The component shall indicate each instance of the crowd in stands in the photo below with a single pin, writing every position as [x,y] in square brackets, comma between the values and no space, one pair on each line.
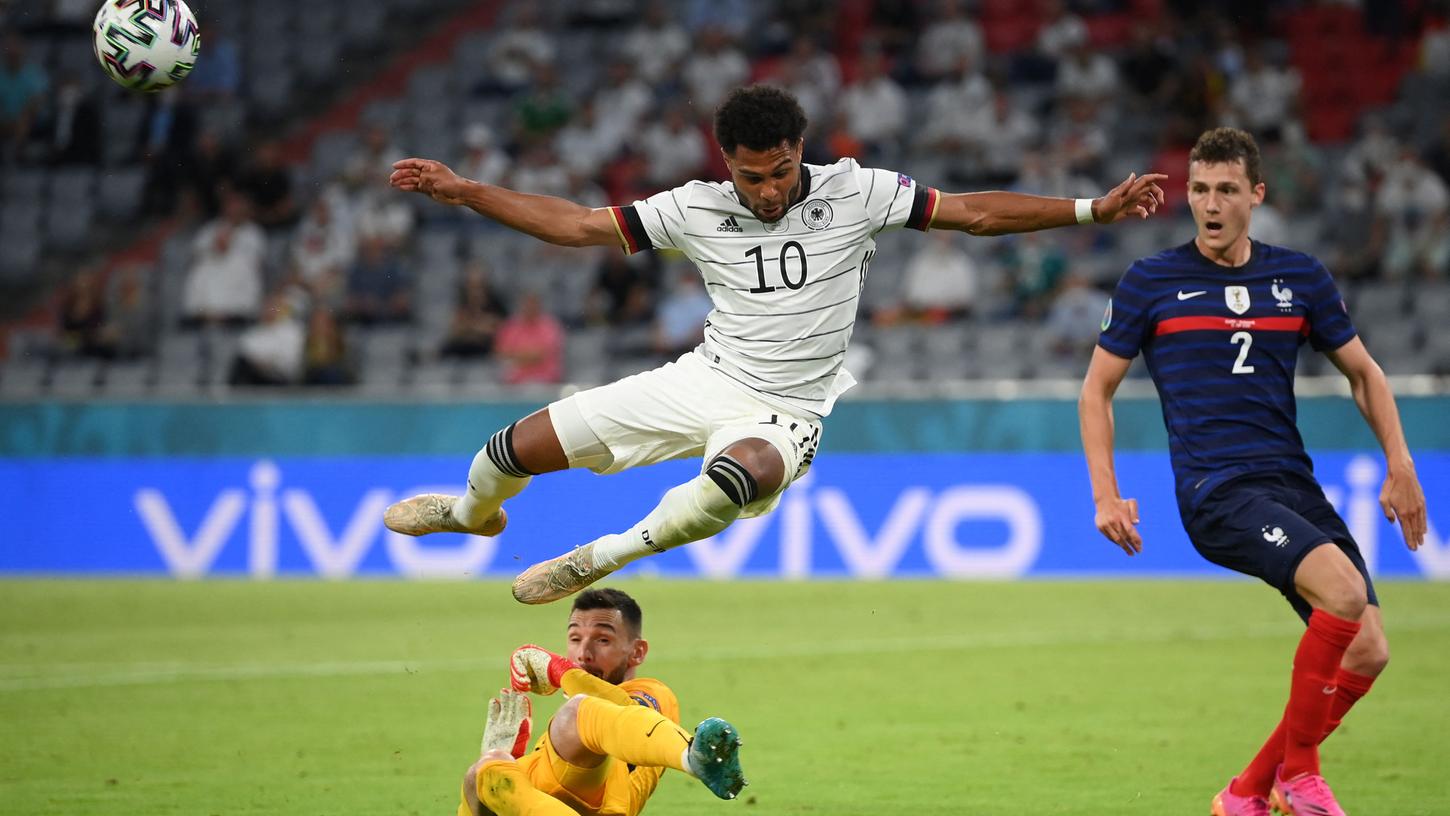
[606,101]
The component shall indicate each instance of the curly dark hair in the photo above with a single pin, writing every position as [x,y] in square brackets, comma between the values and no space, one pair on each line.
[759,117]
[1227,145]
[609,598]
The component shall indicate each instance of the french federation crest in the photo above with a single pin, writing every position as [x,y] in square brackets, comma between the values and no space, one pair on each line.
[1237,298]
[817,214]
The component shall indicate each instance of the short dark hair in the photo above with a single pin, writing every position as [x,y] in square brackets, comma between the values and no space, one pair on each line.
[609,598]
[1226,145]
[759,117]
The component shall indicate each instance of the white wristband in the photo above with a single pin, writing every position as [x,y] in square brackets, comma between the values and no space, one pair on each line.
[1084,209]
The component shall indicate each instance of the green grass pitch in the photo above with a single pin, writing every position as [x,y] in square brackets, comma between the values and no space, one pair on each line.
[909,697]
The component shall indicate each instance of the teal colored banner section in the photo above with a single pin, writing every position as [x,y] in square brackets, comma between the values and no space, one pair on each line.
[350,428]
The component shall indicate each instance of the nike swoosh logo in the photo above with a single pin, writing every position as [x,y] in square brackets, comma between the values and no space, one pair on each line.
[1182,295]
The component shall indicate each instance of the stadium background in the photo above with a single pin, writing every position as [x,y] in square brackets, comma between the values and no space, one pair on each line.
[172,404]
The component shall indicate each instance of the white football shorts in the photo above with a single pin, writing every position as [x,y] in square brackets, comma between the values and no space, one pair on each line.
[679,410]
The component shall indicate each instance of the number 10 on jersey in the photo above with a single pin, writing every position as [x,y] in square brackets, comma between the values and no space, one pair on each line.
[787,251]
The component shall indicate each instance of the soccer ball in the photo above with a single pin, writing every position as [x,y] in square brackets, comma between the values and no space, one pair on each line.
[146,45]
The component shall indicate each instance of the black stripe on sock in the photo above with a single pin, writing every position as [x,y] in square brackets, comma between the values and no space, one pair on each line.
[732,478]
[501,453]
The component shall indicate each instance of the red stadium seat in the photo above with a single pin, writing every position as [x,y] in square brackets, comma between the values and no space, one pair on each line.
[1109,30]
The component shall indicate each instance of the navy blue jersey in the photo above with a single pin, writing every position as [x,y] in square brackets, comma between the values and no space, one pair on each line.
[1221,344]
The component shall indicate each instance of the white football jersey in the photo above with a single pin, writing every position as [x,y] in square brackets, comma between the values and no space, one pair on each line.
[785,294]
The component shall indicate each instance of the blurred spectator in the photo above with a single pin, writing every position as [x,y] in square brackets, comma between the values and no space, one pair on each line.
[713,69]
[940,281]
[83,316]
[519,49]
[1075,318]
[875,106]
[224,283]
[1264,98]
[588,142]
[1438,156]
[1372,156]
[675,149]
[70,127]
[623,100]
[1292,172]
[323,247]
[813,76]
[896,24]
[219,76]
[1061,30]
[325,358]
[165,146]
[211,167]
[1269,225]
[477,317]
[1435,52]
[948,39]
[1037,265]
[268,182]
[131,326]
[23,84]
[956,108]
[1003,137]
[379,288]
[1080,138]
[531,343]
[1148,66]
[540,172]
[271,352]
[623,293]
[813,66]
[657,44]
[1416,206]
[732,18]
[371,163]
[543,108]
[1048,175]
[680,320]
[482,160]
[1087,74]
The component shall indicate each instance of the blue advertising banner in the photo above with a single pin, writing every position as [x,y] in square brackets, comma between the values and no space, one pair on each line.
[996,515]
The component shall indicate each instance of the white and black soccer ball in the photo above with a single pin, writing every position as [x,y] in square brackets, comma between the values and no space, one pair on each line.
[146,45]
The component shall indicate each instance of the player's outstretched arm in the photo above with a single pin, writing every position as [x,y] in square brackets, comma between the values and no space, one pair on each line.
[555,220]
[1116,516]
[999,213]
[1401,498]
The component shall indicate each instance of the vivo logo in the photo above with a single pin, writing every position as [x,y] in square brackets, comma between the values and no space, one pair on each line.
[332,555]
[918,513]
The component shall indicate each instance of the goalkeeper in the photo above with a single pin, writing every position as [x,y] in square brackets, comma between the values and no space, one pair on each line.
[606,748]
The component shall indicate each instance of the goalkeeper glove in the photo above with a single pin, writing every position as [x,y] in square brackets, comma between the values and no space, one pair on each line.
[534,668]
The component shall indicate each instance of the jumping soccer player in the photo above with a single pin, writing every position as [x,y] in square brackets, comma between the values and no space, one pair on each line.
[1219,321]
[784,249]
[607,747]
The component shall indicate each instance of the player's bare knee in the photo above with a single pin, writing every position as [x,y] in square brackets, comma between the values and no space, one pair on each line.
[762,461]
[1344,598]
[536,445]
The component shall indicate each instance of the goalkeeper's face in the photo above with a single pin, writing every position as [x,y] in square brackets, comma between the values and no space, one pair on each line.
[601,643]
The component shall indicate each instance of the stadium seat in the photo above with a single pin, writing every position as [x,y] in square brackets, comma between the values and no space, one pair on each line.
[22,380]
[127,378]
[75,378]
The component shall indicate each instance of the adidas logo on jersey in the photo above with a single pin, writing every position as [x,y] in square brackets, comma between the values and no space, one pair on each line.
[730,225]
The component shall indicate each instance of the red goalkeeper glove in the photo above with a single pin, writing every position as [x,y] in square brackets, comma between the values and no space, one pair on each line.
[534,668]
